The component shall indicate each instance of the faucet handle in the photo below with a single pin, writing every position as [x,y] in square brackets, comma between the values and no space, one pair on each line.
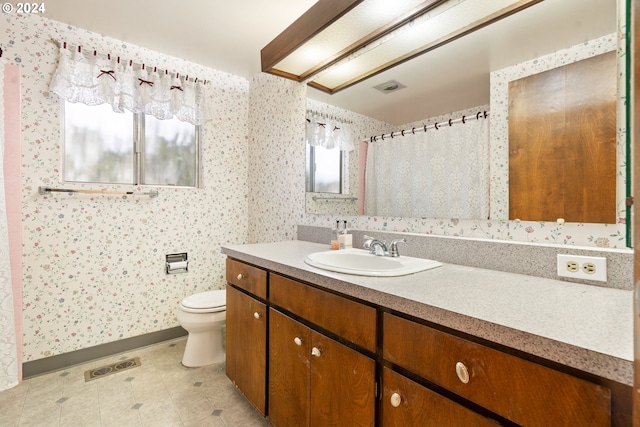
[393,250]
[367,241]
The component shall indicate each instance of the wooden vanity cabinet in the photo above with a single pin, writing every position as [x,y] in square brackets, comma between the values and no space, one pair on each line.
[524,392]
[246,335]
[315,380]
[308,357]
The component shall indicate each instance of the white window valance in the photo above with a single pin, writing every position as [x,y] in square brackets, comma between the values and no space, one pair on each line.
[96,80]
[328,132]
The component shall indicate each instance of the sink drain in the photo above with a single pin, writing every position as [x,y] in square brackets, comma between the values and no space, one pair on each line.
[104,371]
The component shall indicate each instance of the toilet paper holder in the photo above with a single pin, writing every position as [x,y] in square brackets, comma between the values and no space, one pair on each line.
[177,263]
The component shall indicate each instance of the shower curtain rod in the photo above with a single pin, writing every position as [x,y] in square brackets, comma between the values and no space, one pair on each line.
[437,125]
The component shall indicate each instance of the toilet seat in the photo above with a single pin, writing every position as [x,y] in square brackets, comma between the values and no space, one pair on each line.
[205,302]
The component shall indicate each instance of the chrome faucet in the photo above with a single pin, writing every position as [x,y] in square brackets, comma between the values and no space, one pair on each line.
[379,247]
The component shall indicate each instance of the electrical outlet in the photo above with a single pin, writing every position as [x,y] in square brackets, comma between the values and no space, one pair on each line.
[582,267]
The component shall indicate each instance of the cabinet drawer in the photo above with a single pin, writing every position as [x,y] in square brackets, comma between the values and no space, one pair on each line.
[522,391]
[407,403]
[349,319]
[251,279]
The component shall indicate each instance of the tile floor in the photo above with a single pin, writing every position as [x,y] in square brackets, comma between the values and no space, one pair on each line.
[160,392]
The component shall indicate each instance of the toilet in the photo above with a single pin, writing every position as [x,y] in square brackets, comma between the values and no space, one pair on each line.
[203,316]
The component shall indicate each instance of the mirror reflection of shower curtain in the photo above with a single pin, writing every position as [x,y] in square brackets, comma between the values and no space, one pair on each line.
[440,173]
[8,351]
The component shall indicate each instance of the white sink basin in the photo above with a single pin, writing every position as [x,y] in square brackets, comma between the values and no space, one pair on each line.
[362,263]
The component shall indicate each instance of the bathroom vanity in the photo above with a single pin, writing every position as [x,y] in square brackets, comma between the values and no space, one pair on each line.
[452,346]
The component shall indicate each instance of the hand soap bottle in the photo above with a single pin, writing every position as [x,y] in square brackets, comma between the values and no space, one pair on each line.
[345,240]
[335,236]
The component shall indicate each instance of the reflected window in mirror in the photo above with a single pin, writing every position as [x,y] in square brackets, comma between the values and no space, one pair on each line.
[328,142]
[324,169]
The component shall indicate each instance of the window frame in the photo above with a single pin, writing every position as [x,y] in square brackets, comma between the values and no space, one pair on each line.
[311,187]
[138,159]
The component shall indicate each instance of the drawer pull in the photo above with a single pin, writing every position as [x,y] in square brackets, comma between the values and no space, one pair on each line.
[240,276]
[256,315]
[462,372]
[395,400]
[297,340]
[315,351]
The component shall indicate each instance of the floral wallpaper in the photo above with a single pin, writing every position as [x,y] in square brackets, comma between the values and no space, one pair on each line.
[93,265]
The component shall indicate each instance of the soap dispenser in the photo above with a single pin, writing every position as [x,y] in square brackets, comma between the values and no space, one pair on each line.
[336,236]
[345,240]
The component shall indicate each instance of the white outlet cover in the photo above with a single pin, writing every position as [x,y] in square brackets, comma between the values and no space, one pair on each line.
[600,263]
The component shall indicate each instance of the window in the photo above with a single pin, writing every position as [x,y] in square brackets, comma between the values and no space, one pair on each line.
[324,169]
[127,148]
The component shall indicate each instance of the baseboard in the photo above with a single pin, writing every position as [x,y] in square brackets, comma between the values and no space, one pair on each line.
[61,361]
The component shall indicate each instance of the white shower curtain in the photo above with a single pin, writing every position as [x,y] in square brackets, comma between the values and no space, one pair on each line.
[440,173]
[8,351]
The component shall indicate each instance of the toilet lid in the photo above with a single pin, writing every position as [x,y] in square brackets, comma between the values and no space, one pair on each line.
[206,300]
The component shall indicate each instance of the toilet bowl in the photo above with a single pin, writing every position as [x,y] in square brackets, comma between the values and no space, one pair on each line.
[203,316]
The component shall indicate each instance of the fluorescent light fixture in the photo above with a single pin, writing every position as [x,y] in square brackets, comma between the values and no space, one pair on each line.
[338,43]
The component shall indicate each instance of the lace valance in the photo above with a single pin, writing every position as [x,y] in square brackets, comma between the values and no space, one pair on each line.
[328,132]
[96,79]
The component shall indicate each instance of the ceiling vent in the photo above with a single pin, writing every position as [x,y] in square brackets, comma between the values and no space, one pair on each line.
[390,86]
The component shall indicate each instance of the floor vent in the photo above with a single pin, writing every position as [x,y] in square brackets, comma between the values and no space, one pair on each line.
[104,371]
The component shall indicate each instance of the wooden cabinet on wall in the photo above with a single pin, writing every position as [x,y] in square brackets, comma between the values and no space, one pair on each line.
[246,340]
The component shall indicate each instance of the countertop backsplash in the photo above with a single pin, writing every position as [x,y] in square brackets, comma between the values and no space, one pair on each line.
[532,259]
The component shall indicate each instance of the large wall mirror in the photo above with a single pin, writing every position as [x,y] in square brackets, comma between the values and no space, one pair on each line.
[472,74]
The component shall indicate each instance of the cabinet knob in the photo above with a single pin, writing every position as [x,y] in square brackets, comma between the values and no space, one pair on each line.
[395,400]
[240,276]
[462,372]
[256,315]
[315,351]
[297,340]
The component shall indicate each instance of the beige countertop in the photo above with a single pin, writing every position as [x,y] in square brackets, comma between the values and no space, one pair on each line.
[585,327]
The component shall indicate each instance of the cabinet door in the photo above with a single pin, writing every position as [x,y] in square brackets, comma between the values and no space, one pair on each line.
[246,352]
[289,354]
[406,403]
[342,385]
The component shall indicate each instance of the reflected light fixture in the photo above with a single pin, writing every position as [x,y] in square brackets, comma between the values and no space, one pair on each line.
[338,43]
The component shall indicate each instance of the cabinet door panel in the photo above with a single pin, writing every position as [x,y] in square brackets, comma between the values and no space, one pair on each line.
[342,385]
[419,406]
[289,392]
[246,352]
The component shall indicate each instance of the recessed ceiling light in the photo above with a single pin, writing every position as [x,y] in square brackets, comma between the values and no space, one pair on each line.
[390,86]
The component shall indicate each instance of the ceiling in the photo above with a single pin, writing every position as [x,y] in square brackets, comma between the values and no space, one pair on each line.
[220,34]
[228,36]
